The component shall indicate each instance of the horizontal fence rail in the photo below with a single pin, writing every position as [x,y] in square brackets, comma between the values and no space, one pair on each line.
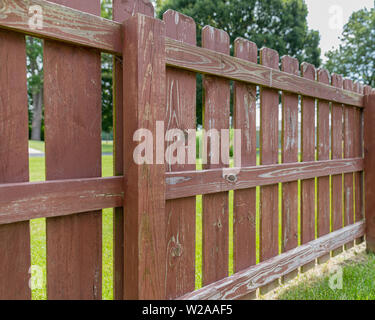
[26,201]
[191,183]
[247,281]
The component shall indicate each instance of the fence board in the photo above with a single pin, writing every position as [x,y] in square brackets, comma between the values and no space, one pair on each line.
[26,201]
[269,154]
[248,280]
[308,154]
[369,136]
[72,97]
[144,218]
[215,207]
[244,205]
[189,183]
[122,10]
[337,153]
[349,123]
[358,152]
[323,144]
[180,114]
[213,63]
[14,163]
[289,154]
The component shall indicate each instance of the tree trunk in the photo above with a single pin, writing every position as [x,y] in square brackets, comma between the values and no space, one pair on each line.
[36,129]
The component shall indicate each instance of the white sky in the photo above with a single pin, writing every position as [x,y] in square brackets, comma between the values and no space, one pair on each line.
[329,17]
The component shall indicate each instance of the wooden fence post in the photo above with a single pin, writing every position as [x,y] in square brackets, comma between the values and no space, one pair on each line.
[121,11]
[369,133]
[144,211]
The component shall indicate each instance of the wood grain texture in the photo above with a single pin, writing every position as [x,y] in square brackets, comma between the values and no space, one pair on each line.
[14,163]
[349,114]
[144,223]
[215,206]
[289,154]
[369,136]
[323,132]
[180,214]
[269,151]
[248,280]
[213,63]
[244,204]
[323,153]
[63,23]
[308,154]
[72,98]
[189,183]
[122,10]
[358,151]
[337,153]
[26,201]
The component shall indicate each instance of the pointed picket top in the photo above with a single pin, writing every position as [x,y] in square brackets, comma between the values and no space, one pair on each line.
[348,84]
[324,76]
[124,9]
[308,71]
[269,58]
[246,50]
[337,80]
[215,39]
[180,27]
[367,90]
[290,65]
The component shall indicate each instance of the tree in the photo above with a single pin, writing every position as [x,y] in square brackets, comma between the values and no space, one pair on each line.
[34,49]
[355,57]
[277,24]
[107,78]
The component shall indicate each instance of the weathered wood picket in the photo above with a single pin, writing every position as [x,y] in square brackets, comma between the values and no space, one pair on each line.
[155,67]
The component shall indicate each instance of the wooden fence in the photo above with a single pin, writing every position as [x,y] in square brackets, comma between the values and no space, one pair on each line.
[155,67]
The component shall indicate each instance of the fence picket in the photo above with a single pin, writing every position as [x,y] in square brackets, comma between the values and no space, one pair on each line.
[308,154]
[72,91]
[349,123]
[323,154]
[180,213]
[14,163]
[337,153]
[215,207]
[289,154]
[244,205]
[269,154]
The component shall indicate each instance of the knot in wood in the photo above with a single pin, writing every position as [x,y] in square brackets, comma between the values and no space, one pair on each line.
[231,178]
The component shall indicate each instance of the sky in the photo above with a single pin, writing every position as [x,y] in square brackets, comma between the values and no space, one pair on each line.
[329,18]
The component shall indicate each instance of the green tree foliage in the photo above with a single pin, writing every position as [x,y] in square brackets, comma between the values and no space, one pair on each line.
[107,79]
[355,57]
[34,51]
[278,24]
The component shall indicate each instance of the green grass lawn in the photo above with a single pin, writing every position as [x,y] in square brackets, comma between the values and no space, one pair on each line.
[356,274]
[38,233]
[358,283]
